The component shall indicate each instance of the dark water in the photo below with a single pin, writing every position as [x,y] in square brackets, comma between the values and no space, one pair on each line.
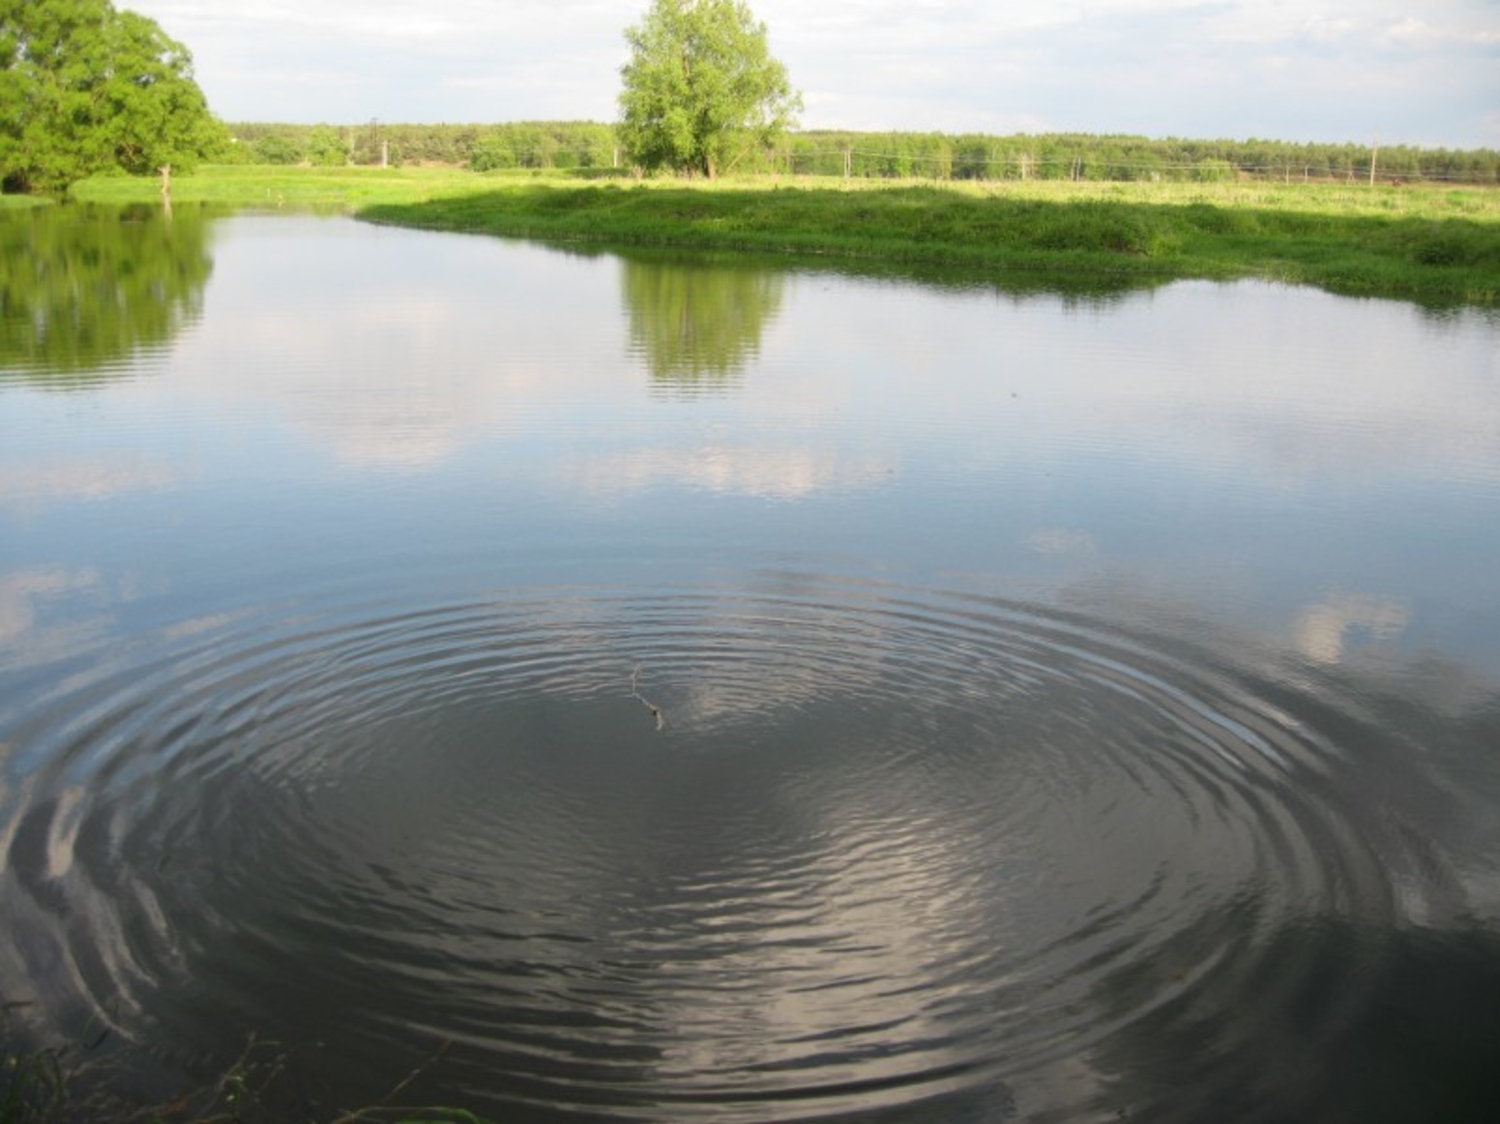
[617,686]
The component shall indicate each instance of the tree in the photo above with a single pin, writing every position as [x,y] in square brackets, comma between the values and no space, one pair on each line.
[85,88]
[701,88]
[326,148]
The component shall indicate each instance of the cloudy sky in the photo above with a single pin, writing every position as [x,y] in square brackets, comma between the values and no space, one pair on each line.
[1413,71]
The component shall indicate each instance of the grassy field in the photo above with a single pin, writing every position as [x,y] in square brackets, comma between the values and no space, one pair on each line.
[1433,245]
[256,186]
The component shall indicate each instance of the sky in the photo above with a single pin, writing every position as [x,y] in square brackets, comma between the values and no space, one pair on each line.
[1423,72]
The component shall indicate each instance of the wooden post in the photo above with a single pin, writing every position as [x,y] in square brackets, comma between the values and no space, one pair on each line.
[1374,155]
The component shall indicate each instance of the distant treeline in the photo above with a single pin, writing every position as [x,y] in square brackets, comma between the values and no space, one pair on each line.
[524,144]
[567,145]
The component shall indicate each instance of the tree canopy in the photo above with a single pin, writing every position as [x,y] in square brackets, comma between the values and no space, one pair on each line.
[701,89]
[85,88]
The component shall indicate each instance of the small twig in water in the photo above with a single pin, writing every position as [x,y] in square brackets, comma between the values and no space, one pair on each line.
[651,706]
[396,1090]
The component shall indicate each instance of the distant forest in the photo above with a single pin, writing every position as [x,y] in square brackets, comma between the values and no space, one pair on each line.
[590,146]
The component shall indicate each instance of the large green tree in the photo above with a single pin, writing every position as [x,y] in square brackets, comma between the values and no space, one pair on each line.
[701,88]
[85,88]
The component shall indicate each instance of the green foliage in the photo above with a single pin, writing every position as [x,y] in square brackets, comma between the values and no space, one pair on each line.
[701,90]
[554,145]
[492,153]
[325,148]
[1083,157]
[274,149]
[541,145]
[87,88]
[1343,239]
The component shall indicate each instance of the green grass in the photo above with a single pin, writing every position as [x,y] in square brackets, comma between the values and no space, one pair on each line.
[1438,246]
[1425,250]
[258,186]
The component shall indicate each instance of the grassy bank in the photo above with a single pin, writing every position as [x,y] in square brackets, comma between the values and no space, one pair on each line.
[1447,251]
[1433,245]
[342,189]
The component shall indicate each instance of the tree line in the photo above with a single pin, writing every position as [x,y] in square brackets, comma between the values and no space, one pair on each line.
[86,88]
[567,145]
[1078,156]
[522,144]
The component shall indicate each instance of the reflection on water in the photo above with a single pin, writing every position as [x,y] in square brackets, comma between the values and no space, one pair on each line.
[82,288]
[697,324]
[1075,709]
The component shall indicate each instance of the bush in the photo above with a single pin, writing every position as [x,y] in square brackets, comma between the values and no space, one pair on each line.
[492,153]
[273,149]
[1213,171]
[326,148]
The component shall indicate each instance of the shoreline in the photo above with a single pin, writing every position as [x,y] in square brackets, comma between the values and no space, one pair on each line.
[1436,247]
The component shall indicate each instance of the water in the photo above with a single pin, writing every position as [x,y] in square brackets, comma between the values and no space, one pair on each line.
[634,686]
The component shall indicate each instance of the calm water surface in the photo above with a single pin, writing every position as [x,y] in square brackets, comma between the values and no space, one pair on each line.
[627,686]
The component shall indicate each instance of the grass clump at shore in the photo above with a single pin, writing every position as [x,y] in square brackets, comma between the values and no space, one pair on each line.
[1201,233]
[68,1085]
[1438,246]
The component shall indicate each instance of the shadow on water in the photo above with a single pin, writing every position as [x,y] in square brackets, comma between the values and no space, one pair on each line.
[83,288]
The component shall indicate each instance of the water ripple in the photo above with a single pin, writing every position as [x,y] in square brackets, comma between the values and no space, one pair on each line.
[891,845]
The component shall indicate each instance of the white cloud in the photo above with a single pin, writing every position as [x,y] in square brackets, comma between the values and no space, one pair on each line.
[1158,67]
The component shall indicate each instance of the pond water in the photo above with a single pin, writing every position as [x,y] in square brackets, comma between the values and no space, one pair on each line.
[637,686]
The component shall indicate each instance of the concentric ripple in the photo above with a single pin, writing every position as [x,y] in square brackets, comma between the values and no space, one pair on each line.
[888,847]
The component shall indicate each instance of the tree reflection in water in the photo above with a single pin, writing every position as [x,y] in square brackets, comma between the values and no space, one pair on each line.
[82,289]
[697,322]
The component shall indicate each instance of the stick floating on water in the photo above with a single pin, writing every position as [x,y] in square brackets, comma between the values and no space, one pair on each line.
[649,705]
